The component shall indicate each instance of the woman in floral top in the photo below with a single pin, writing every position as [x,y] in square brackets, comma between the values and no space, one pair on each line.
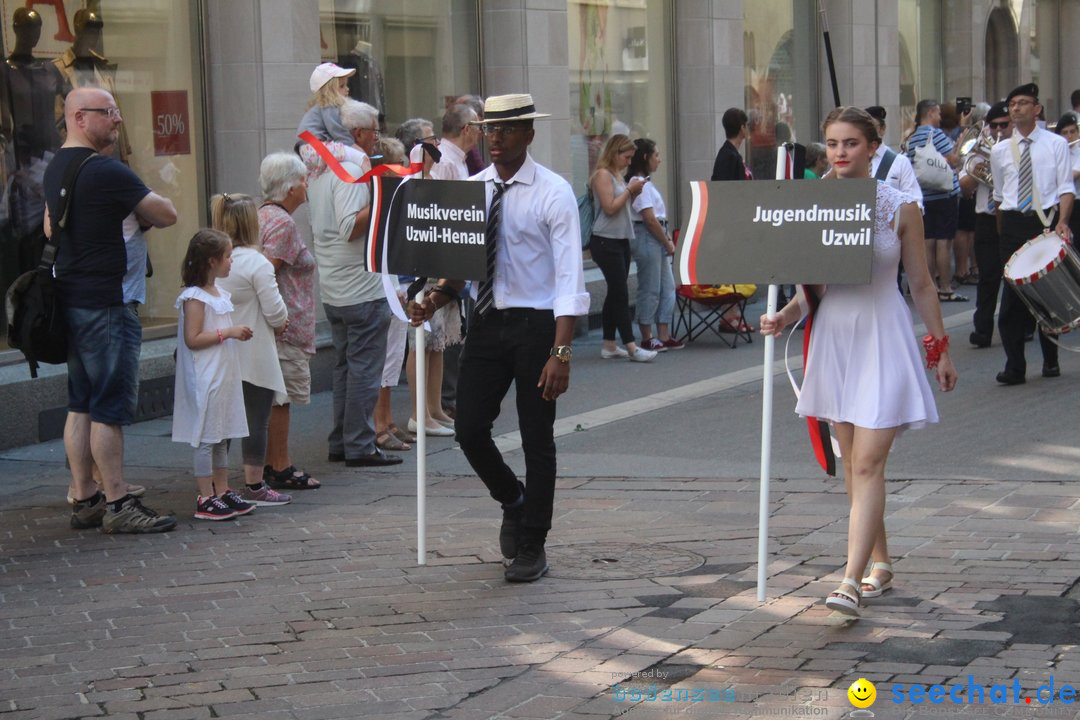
[283,180]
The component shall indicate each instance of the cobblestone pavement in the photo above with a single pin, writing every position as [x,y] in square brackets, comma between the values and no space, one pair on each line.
[318,610]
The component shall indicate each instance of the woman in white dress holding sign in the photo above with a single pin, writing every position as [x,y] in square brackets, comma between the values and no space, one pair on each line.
[863,371]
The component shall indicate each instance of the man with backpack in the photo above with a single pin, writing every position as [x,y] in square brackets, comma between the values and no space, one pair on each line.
[104,333]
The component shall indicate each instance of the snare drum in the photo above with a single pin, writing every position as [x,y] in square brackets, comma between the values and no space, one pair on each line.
[1045,273]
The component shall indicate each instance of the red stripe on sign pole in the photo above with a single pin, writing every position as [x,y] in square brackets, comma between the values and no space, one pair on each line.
[695,238]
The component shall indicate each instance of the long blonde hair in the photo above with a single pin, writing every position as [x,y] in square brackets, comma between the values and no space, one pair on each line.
[327,95]
[615,146]
[237,216]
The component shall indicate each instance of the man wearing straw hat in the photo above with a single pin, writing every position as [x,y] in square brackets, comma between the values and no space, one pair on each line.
[521,328]
[1033,189]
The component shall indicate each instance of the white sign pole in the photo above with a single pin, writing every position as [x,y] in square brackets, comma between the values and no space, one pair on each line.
[766,421]
[421,443]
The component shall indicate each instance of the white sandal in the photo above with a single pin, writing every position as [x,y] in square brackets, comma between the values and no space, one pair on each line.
[843,601]
[878,586]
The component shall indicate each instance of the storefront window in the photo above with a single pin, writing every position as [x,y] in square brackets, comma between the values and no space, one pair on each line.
[620,75]
[146,53]
[780,45]
[412,58]
[921,64]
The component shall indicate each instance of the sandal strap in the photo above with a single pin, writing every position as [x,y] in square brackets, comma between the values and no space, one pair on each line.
[887,567]
[852,583]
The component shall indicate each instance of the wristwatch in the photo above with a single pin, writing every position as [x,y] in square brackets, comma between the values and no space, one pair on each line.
[563,352]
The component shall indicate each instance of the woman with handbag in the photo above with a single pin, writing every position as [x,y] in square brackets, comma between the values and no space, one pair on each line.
[612,231]
[933,157]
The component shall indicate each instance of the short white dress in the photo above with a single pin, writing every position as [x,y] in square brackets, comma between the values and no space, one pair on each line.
[208,404]
[864,365]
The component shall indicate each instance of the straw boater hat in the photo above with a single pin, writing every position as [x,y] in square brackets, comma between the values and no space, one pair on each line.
[501,108]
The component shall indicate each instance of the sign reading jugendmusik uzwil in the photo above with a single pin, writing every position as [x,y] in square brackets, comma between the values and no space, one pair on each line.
[778,232]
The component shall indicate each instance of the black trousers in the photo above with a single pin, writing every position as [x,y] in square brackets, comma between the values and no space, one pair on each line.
[1014,319]
[988,260]
[612,256]
[510,346]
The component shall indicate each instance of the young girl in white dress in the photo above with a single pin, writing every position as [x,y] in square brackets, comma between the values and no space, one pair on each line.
[209,403]
[864,371]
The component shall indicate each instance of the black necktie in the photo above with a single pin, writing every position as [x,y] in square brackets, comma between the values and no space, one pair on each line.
[485,295]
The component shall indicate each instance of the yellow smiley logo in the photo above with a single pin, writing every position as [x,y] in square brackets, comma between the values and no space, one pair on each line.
[862,693]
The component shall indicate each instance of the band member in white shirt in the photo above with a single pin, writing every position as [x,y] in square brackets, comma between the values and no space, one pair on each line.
[897,170]
[1034,192]
[987,243]
[520,329]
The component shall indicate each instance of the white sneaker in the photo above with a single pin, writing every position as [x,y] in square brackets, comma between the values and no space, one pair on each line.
[615,354]
[643,355]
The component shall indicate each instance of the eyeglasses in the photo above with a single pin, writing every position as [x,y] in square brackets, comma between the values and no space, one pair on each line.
[999,125]
[433,139]
[1020,103]
[372,130]
[503,130]
[112,112]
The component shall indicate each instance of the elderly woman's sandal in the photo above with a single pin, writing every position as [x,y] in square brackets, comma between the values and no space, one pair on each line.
[843,600]
[877,587]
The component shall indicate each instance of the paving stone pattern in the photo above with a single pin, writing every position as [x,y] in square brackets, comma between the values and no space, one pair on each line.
[318,610]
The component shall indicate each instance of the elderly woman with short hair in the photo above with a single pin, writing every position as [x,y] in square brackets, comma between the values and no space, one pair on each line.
[283,181]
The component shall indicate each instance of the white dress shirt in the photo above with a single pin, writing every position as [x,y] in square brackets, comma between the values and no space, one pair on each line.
[1050,168]
[901,175]
[538,257]
[451,165]
[982,195]
[1074,156]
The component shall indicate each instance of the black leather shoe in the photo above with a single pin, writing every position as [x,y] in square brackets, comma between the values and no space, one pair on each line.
[335,457]
[979,340]
[375,459]
[1007,378]
[529,565]
[1051,371]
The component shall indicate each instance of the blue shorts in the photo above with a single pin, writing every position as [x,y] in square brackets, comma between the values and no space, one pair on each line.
[103,362]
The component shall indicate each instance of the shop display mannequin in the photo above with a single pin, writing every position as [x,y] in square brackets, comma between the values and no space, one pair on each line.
[82,65]
[28,138]
[366,85]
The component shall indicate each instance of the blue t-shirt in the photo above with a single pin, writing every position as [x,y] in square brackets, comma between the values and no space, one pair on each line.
[943,145]
[91,260]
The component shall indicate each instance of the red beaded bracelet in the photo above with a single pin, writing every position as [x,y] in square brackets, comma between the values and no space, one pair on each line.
[220,337]
[934,347]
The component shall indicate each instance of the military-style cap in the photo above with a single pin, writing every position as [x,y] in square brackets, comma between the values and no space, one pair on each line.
[997,110]
[1030,90]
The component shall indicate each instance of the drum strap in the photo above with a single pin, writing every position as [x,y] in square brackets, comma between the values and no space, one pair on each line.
[1036,199]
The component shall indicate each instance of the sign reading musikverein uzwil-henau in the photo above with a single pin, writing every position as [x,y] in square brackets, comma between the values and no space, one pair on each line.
[431,228]
[778,232]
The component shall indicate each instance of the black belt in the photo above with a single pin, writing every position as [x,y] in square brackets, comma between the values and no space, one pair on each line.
[662,222]
[1030,213]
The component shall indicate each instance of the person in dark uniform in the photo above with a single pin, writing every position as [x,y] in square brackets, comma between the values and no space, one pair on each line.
[1033,190]
[987,244]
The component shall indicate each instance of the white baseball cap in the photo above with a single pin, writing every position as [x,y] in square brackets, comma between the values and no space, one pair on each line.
[327,72]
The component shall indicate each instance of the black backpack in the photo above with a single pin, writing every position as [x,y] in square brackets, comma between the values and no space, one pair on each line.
[35,318]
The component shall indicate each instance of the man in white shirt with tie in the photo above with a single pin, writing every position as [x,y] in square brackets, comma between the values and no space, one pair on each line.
[1033,190]
[520,329]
